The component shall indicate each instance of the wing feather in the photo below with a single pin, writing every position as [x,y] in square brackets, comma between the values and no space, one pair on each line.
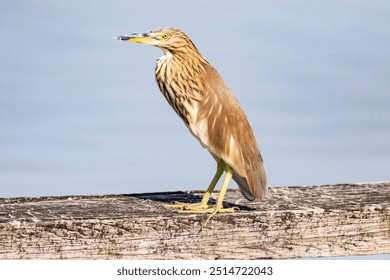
[223,128]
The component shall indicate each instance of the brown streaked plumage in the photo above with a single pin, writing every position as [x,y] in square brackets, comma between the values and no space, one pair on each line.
[201,98]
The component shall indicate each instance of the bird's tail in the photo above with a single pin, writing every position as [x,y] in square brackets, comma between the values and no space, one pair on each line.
[253,184]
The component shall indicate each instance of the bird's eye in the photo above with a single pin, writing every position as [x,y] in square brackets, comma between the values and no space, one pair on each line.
[165,36]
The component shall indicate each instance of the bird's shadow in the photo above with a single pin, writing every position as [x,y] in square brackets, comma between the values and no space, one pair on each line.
[184,197]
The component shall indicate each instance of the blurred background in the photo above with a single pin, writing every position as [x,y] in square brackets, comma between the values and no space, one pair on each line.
[80,112]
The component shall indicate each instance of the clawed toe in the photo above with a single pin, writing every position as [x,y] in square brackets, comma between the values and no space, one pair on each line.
[187,206]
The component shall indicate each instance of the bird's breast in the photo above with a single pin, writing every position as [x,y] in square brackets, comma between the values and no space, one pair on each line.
[179,87]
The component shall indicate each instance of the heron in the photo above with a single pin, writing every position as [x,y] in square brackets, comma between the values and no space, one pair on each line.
[201,98]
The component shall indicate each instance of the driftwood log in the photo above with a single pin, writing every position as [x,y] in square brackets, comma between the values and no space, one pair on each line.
[293,222]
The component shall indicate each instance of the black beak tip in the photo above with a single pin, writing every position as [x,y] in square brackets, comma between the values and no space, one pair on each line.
[122,38]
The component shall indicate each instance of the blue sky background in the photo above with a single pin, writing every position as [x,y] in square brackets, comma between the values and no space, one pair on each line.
[80,112]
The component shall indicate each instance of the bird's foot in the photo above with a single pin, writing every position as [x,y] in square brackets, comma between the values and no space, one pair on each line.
[212,210]
[200,208]
[188,206]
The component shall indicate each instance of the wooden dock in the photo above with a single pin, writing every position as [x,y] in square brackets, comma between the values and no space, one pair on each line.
[292,222]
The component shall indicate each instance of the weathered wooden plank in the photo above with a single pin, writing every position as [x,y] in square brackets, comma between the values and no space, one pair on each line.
[293,222]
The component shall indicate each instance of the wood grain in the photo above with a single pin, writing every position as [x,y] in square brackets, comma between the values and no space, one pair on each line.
[293,222]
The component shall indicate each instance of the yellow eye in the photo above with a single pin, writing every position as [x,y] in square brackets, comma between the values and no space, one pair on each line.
[165,36]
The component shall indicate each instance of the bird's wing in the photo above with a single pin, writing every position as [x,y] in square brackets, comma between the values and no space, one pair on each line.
[223,128]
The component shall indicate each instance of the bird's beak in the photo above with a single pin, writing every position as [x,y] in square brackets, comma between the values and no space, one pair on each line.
[143,38]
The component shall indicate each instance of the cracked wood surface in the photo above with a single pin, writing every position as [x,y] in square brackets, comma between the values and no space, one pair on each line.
[292,222]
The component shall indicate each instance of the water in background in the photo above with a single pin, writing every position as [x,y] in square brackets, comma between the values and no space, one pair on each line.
[80,112]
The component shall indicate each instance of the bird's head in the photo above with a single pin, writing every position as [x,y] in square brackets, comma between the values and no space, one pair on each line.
[168,39]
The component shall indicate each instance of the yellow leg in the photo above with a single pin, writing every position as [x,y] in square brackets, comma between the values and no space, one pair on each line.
[219,206]
[204,203]
[203,207]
